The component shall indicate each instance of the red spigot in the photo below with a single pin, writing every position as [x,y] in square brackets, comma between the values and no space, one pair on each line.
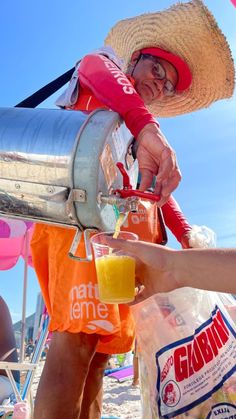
[128,191]
[126,182]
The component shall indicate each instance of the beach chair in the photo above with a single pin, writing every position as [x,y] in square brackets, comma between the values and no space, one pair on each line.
[23,395]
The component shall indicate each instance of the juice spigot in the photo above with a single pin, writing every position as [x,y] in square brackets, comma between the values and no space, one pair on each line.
[126,199]
[124,206]
[128,192]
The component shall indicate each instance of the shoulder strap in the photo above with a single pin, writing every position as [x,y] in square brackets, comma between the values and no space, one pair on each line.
[42,94]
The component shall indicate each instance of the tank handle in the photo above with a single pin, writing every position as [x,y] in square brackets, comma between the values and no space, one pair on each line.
[75,244]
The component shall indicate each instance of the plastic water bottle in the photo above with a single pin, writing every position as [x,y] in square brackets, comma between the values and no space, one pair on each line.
[202,237]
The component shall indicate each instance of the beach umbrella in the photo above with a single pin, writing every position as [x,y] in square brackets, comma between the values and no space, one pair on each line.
[13,234]
[15,237]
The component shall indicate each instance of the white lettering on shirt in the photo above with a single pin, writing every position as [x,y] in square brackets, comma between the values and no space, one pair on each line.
[120,77]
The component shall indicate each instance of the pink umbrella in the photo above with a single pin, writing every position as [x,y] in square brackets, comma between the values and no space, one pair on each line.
[15,237]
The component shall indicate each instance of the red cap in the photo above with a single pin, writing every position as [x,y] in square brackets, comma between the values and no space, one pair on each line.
[184,73]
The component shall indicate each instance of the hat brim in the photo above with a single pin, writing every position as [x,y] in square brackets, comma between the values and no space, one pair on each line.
[189,31]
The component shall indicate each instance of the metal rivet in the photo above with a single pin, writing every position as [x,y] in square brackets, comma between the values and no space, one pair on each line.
[50,189]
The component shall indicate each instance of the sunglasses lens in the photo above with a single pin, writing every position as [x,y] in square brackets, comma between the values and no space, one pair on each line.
[169,89]
[158,71]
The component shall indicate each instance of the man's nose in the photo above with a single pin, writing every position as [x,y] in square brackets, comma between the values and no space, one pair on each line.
[159,83]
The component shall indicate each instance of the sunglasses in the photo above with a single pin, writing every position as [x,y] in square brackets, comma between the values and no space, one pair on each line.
[159,73]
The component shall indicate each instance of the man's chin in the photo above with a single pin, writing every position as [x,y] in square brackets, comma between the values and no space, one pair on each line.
[147,100]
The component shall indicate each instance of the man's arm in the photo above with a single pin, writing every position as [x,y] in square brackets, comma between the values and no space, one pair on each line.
[111,86]
[155,156]
[176,221]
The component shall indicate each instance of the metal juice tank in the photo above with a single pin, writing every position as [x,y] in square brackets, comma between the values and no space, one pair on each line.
[56,166]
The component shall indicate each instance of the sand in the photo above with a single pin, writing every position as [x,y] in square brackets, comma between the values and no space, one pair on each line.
[120,399]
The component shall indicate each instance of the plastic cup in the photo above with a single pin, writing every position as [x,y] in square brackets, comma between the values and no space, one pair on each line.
[115,270]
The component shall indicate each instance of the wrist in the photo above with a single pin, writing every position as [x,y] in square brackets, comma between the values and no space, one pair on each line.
[152,139]
[149,128]
[178,268]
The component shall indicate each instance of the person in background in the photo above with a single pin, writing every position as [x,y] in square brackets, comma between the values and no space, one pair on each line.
[29,349]
[160,73]
[135,381]
[8,351]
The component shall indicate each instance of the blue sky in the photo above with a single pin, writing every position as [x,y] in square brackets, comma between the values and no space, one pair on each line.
[41,40]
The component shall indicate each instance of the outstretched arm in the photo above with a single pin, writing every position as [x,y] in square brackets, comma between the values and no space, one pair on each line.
[162,269]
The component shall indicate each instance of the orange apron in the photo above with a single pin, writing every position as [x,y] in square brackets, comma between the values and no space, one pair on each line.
[70,290]
[69,287]
[147,223]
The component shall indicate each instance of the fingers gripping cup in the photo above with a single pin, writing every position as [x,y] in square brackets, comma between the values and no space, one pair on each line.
[115,270]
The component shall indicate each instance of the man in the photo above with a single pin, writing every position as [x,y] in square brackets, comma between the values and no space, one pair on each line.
[167,83]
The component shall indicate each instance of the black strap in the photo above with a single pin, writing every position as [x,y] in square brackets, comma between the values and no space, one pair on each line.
[42,94]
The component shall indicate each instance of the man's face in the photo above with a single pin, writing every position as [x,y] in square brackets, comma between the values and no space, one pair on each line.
[154,78]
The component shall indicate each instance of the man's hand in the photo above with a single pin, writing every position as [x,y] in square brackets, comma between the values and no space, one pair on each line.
[156,158]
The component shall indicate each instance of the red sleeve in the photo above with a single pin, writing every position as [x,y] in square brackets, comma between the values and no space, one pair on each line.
[174,219]
[111,86]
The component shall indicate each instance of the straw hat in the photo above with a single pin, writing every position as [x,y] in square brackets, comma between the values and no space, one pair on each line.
[190,31]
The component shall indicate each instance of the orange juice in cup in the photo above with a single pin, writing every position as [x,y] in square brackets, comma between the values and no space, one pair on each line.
[116,278]
[115,271]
